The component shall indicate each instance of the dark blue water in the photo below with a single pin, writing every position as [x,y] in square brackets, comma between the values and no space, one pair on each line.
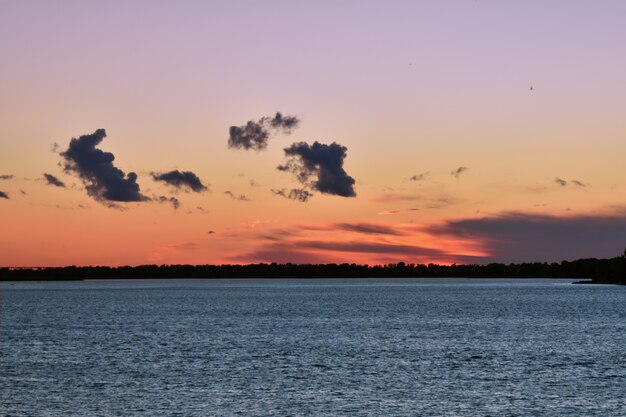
[312,348]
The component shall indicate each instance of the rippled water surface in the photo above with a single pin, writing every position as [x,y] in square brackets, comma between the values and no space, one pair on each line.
[414,347]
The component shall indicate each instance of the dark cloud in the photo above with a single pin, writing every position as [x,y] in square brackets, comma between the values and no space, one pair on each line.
[284,123]
[419,177]
[180,180]
[210,232]
[172,200]
[320,167]
[368,228]
[255,134]
[240,197]
[6,177]
[102,180]
[298,194]
[4,195]
[457,172]
[52,180]
[522,237]
[560,181]
[578,183]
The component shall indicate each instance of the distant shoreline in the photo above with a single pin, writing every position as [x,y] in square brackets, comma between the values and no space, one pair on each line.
[589,271]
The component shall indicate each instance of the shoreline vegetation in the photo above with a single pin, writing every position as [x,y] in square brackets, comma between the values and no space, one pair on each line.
[590,271]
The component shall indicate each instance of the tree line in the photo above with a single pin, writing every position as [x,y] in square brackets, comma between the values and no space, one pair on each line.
[598,270]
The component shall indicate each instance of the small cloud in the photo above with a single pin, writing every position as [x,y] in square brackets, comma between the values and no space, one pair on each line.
[210,232]
[560,181]
[320,167]
[23,192]
[253,183]
[368,228]
[180,180]
[419,177]
[298,194]
[457,172]
[52,180]
[4,195]
[6,177]
[103,181]
[388,212]
[172,200]
[255,134]
[578,183]
[240,197]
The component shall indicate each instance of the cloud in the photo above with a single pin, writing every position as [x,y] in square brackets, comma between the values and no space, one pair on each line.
[102,180]
[299,194]
[523,237]
[172,200]
[284,123]
[180,180]
[457,172]
[52,180]
[210,232]
[419,177]
[240,197]
[563,183]
[388,212]
[320,167]
[6,177]
[4,195]
[368,228]
[255,134]
[432,202]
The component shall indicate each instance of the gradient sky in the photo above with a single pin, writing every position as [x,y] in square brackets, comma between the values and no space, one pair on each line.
[414,90]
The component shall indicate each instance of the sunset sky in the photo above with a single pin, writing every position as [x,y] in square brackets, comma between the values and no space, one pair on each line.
[447,131]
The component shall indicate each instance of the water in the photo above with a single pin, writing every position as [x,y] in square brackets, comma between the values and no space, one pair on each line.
[413,347]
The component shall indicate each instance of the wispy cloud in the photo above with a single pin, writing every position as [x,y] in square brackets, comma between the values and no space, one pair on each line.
[456,173]
[419,177]
[171,200]
[298,194]
[6,177]
[240,197]
[52,180]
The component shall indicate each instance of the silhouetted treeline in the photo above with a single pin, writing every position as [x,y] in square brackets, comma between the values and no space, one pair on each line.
[601,270]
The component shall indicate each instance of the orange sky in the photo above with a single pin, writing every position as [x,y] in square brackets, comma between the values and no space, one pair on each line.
[413,91]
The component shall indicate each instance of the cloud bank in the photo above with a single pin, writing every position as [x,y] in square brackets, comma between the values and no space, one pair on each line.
[522,237]
[102,180]
[320,167]
[255,134]
[180,180]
